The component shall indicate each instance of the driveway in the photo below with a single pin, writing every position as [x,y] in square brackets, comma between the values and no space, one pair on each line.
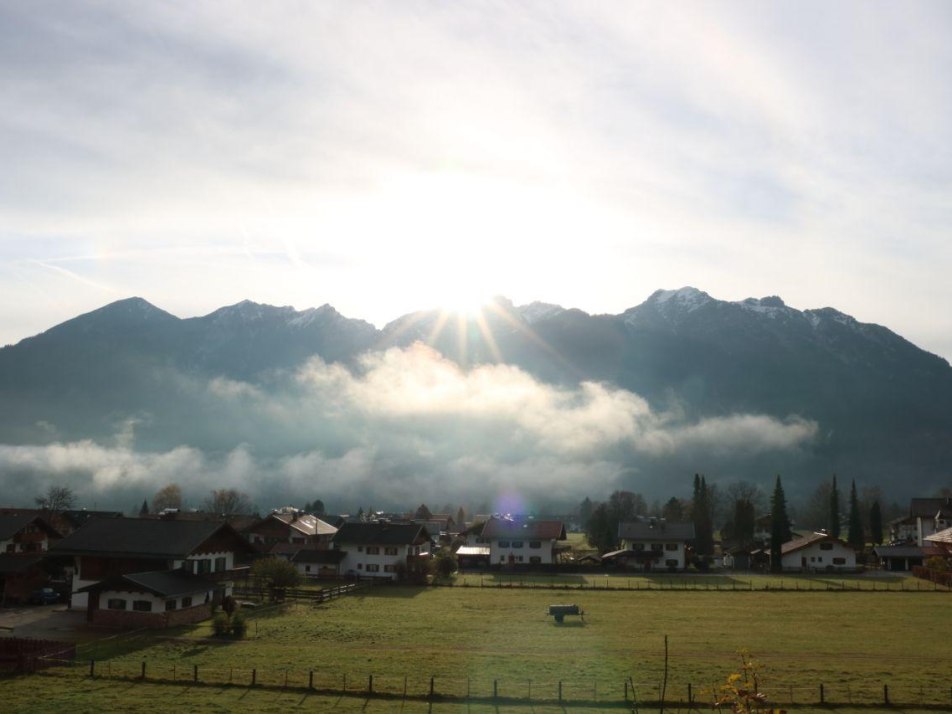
[48,622]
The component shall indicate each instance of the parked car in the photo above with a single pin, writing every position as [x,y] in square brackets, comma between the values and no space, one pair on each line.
[44,596]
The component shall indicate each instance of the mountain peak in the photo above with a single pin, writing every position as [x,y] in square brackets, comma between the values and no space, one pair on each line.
[686,297]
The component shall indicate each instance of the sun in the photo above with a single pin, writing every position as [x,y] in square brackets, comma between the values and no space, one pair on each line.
[464,302]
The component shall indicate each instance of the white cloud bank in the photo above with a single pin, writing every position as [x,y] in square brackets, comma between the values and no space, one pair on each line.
[410,425]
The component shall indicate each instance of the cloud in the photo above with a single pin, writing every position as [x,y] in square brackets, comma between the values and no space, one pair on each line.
[404,425]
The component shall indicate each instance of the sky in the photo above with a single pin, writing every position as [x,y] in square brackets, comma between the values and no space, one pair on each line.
[389,157]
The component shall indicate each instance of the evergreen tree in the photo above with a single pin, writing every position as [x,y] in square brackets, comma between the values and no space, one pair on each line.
[745,519]
[780,531]
[585,509]
[144,511]
[600,530]
[855,535]
[702,517]
[875,523]
[673,510]
[833,524]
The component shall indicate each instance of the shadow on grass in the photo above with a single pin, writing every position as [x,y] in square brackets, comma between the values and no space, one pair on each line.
[389,592]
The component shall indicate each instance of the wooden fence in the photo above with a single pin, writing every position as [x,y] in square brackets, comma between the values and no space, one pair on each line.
[296,594]
[602,693]
[27,654]
[937,577]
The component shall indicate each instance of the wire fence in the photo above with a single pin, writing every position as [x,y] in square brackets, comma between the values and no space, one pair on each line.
[694,584]
[568,692]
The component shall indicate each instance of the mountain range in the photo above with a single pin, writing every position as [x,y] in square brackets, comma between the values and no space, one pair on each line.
[880,407]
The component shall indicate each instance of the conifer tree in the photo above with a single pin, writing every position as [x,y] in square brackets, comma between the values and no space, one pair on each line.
[875,523]
[855,535]
[702,517]
[780,531]
[833,523]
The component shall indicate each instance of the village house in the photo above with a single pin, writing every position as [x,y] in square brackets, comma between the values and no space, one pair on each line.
[516,541]
[382,549]
[151,599]
[816,552]
[26,533]
[932,515]
[104,548]
[289,526]
[652,544]
[322,563]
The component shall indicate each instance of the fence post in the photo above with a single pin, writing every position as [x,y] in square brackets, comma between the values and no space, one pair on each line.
[495,688]
[310,679]
[690,695]
[560,691]
[404,686]
[431,687]
[195,673]
[142,676]
[254,676]
[886,694]
[370,684]
[821,693]
[626,690]
[92,668]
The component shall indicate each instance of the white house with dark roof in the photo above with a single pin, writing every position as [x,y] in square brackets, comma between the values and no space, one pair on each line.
[652,544]
[815,552]
[514,542]
[382,549]
[152,599]
[289,526]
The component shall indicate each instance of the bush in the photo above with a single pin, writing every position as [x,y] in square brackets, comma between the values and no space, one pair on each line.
[239,625]
[937,563]
[221,624]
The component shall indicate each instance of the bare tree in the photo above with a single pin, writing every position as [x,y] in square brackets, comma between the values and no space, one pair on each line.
[227,502]
[56,498]
[169,496]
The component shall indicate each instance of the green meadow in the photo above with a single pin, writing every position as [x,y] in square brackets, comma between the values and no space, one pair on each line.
[481,641]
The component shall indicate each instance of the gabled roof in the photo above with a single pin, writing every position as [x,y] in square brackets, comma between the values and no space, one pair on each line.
[796,544]
[381,534]
[656,529]
[138,537]
[13,523]
[930,507]
[305,523]
[941,537]
[526,529]
[163,583]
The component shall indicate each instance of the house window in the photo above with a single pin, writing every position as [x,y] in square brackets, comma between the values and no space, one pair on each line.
[116,604]
[504,544]
[373,568]
[389,569]
[307,568]
[637,546]
[171,604]
[502,558]
[826,546]
[220,564]
[839,561]
[200,567]
[390,550]
[656,547]
[142,605]
[670,546]
[535,559]
[360,566]
[373,550]
[518,558]
[517,544]
[535,544]
[186,602]
[671,563]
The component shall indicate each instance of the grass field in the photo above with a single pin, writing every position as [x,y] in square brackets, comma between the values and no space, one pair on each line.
[470,638]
